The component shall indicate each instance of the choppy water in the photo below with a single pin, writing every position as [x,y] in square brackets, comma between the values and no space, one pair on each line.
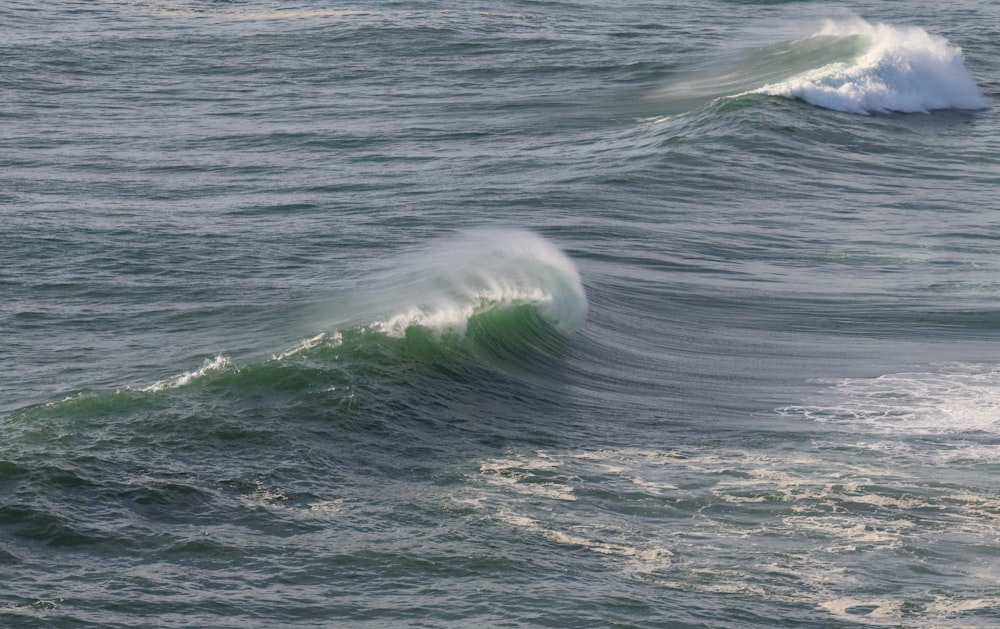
[522,314]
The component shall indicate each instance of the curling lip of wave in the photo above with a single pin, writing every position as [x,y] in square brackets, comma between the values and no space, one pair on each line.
[480,271]
[900,69]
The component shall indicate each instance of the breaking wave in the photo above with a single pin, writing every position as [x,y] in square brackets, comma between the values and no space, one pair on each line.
[886,69]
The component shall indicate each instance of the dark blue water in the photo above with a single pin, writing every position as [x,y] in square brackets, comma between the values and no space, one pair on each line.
[533,314]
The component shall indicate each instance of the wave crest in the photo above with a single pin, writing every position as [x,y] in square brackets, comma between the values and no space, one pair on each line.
[896,69]
[443,288]
[213,365]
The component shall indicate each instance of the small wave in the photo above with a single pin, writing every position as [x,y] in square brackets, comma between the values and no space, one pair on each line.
[501,298]
[895,69]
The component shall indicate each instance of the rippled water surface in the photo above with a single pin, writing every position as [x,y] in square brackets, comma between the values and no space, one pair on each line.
[523,314]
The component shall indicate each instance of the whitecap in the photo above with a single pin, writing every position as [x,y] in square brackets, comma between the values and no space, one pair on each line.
[211,365]
[442,287]
[898,69]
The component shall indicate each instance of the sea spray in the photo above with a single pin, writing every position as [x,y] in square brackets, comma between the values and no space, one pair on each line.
[455,279]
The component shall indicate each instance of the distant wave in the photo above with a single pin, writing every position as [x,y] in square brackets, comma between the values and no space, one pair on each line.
[892,69]
[849,65]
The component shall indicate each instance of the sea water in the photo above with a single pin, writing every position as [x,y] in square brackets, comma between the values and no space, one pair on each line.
[563,314]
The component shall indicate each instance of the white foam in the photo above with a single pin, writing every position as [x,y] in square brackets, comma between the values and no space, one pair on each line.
[809,524]
[518,474]
[858,609]
[543,462]
[901,69]
[949,606]
[957,399]
[327,507]
[333,339]
[857,531]
[218,363]
[37,605]
[642,557]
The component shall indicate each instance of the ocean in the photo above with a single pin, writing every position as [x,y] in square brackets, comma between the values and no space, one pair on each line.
[532,313]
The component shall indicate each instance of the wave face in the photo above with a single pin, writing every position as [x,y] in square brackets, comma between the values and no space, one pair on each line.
[892,69]
[498,299]
[486,309]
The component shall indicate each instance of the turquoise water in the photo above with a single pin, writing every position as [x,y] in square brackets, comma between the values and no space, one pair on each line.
[566,314]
